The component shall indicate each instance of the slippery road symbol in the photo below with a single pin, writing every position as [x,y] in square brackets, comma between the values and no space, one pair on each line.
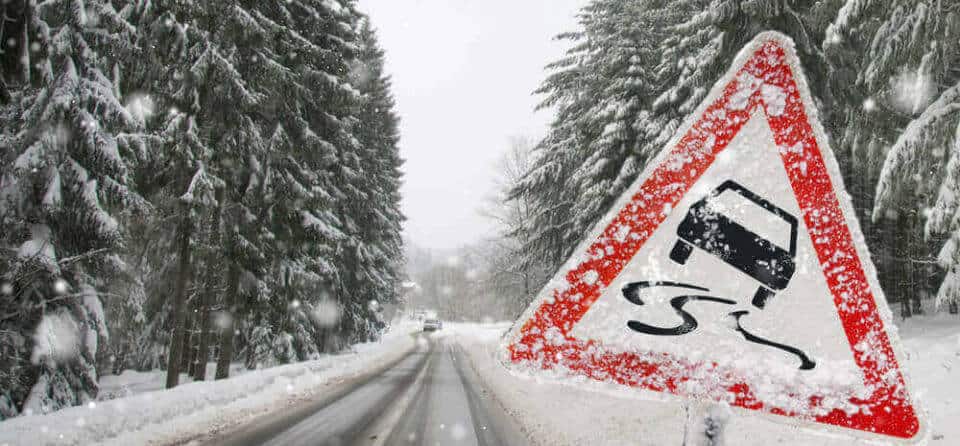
[631,292]
[706,227]
[710,230]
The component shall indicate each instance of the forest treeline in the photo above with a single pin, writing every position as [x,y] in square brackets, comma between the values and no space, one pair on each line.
[184,182]
[886,79]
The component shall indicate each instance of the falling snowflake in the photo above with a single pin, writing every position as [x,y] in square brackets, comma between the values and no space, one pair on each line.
[458,432]
[223,320]
[140,106]
[61,286]
[327,313]
[56,339]
[912,91]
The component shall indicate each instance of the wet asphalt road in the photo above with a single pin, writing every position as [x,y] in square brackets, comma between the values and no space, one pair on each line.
[430,397]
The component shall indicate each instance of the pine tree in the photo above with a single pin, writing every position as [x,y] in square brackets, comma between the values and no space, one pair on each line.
[59,198]
[893,62]
[313,42]
[379,216]
[606,128]
[266,166]
[924,166]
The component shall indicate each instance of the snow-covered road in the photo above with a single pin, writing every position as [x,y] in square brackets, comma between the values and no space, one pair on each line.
[450,388]
[334,418]
[452,406]
[430,397]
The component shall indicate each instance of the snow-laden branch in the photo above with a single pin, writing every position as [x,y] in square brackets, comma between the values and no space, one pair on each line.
[910,148]
[188,196]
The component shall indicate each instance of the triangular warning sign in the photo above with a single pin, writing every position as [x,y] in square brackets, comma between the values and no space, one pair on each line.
[733,270]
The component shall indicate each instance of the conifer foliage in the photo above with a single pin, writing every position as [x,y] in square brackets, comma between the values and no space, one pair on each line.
[184,182]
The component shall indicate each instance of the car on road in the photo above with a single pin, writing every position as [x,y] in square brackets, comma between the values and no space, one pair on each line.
[707,228]
[432,325]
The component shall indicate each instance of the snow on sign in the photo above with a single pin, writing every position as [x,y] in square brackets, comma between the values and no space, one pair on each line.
[733,271]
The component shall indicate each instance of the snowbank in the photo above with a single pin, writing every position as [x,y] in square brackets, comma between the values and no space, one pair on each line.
[560,410]
[557,411]
[132,382]
[932,347]
[194,409]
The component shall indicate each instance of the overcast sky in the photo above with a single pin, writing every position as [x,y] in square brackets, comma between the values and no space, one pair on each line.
[463,75]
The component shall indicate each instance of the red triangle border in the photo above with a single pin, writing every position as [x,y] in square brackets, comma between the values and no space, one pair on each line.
[891,411]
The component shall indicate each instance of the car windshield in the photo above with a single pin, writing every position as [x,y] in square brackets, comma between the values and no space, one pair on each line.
[476,222]
[753,217]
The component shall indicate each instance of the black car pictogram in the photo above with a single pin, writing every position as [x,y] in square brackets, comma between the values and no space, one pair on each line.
[709,229]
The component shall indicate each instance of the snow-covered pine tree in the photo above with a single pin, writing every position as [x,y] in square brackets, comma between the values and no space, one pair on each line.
[623,37]
[181,169]
[332,112]
[546,185]
[303,73]
[62,186]
[897,62]
[255,138]
[229,114]
[605,130]
[380,218]
[697,51]
[206,158]
[923,168]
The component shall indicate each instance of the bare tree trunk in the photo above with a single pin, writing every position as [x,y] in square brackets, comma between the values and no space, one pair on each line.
[899,232]
[188,353]
[4,93]
[25,43]
[322,343]
[916,245]
[179,299]
[526,285]
[206,296]
[227,330]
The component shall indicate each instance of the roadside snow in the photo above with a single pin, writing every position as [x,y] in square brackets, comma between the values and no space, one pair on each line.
[132,382]
[560,410]
[932,347]
[191,410]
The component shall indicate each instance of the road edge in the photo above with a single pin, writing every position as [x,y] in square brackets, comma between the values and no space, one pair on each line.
[229,430]
[510,419]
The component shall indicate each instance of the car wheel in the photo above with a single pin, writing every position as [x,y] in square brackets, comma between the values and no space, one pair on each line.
[761,297]
[680,252]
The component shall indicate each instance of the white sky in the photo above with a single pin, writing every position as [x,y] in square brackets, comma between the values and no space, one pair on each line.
[463,76]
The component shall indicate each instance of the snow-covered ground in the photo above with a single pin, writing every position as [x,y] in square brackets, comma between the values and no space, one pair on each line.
[554,410]
[132,382]
[561,410]
[148,416]
[932,346]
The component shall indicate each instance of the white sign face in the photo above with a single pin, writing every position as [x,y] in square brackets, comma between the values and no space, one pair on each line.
[733,270]
[802,315]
